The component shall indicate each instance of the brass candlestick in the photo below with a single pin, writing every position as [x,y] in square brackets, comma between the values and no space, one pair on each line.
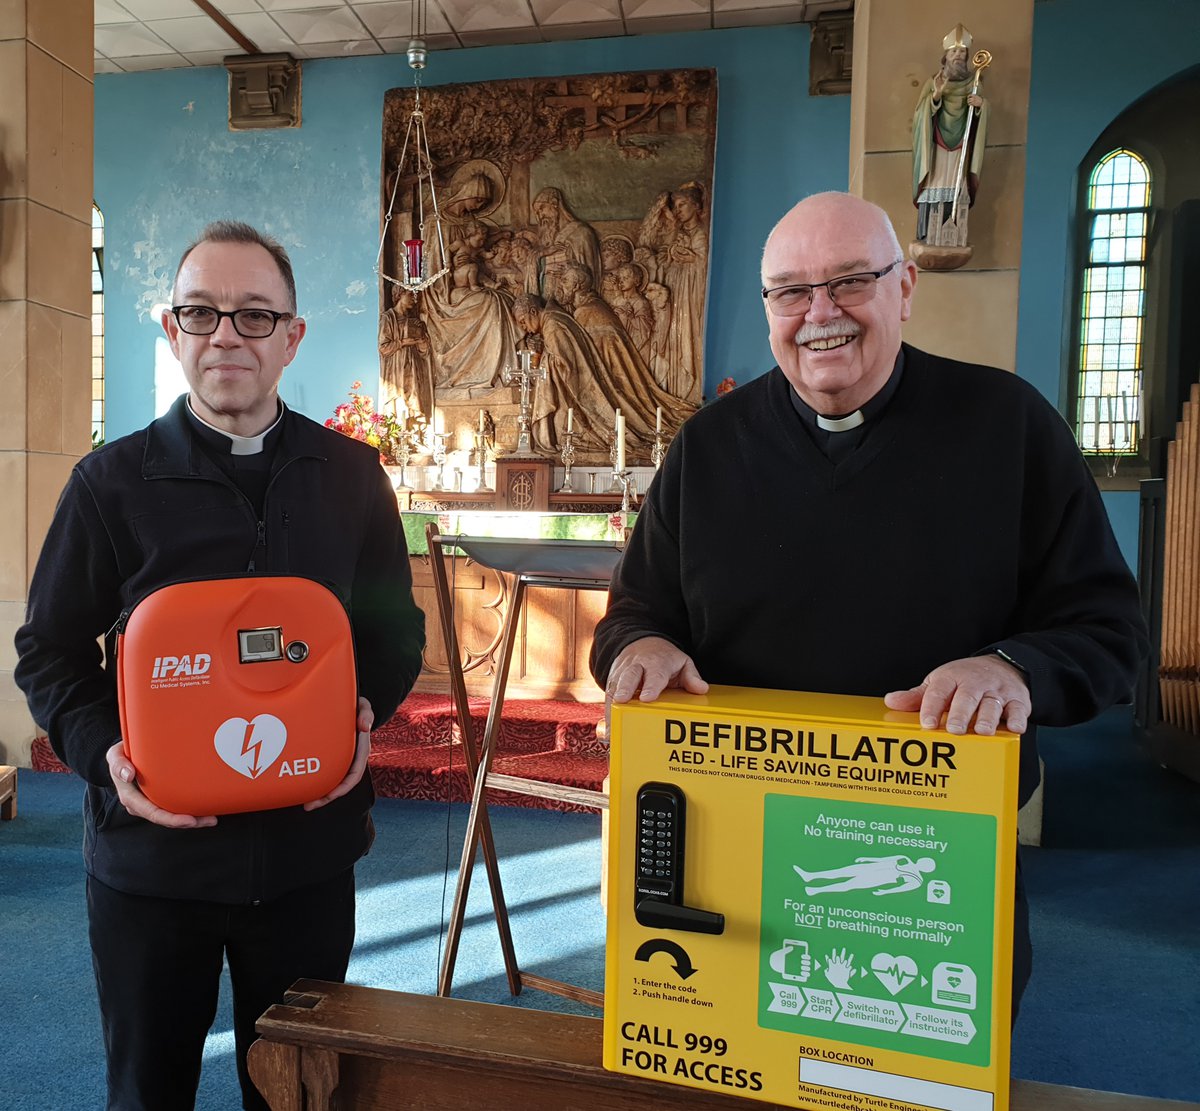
[626,481]
[481,459]
[614,486]
[439,458]
[658,451]
[567,454]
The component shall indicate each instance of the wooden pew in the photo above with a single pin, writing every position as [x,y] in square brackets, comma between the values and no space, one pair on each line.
[343,1046]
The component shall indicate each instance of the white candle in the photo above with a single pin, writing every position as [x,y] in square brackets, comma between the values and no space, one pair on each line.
[481,422]
[658,419]
[620,441]
[570,420]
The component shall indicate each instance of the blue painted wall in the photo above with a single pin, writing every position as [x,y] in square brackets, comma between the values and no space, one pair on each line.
[166,164]
[1091,60]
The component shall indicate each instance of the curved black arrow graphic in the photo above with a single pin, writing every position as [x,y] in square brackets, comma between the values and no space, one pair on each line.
[683,963]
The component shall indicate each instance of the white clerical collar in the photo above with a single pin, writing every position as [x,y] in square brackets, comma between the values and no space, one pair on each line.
[239,445]
[841,424]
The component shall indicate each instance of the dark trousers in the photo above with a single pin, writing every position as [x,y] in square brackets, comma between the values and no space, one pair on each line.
[158,968]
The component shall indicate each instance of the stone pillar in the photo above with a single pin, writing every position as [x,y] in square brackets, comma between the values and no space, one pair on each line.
[45,297]
[969,313]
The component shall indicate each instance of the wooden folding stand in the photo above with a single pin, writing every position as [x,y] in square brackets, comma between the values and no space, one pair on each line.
[557,564]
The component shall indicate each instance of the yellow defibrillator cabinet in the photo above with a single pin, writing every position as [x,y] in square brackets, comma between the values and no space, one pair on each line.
[810,902]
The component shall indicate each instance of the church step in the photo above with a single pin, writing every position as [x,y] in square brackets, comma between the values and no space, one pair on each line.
[418,774]
[526,726]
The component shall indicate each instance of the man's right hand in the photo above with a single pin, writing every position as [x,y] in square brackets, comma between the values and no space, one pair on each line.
[124,777]
[651,665]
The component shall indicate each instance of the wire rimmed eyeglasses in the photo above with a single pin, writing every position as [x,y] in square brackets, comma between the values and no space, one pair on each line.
[845,291]
[203,320]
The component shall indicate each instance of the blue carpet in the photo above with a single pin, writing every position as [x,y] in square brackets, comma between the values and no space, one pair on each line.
[1114,893]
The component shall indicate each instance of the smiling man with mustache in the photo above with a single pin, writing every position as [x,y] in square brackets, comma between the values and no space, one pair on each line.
[870,519]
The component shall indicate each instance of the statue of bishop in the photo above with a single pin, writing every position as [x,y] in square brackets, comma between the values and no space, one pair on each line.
[949,133]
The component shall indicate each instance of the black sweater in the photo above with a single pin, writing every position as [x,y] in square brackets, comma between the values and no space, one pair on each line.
[153,508]
[965,522]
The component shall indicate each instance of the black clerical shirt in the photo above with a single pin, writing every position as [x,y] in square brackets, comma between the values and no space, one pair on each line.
[837,446]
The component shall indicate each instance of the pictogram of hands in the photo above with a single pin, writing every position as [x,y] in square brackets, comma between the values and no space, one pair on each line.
[839,968]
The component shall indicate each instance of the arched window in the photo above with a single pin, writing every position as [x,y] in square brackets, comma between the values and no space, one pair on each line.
[1108,414]
[97,326]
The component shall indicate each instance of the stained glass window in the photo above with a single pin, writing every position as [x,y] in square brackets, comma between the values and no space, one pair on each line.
[1108,412]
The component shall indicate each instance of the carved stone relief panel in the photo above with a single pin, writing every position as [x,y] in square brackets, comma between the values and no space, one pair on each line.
[575,215]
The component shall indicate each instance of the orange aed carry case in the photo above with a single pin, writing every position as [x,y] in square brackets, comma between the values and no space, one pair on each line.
[237,693]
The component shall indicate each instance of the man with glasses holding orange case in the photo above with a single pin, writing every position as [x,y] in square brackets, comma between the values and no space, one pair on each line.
[228,482]
[870,519]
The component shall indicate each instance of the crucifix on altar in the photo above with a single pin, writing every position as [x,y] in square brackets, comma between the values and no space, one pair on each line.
[526,375]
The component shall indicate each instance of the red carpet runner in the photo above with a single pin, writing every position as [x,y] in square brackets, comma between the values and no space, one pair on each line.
[419,753]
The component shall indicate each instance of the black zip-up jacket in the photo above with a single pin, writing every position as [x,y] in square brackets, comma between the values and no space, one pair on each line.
[153,508]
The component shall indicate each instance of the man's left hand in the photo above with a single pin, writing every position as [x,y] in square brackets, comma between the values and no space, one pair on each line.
[984,688]
[358,766]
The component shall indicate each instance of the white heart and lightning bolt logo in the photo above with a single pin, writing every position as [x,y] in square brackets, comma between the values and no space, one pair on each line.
[250,747]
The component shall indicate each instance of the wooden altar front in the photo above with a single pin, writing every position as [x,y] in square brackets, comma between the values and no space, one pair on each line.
[553,638]
[340,1045]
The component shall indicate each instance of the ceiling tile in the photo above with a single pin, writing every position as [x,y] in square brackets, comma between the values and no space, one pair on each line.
[292,5]
[608,28]
[643,9]
[322,25]
[771,6]
[668,24]
[501,36]
[576,11]
[755,17]
[264,32]
[467,15]
[236,7]
[815,8]
[126,40]
[160,9]
[109,11]
[206,57]
[197,33]
[393,20]
[389,20]
[339,49]
[152,61]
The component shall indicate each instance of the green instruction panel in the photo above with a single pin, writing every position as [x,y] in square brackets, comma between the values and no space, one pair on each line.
[877,925]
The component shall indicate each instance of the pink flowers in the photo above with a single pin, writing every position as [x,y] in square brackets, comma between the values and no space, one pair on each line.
[724,386]
[358,419]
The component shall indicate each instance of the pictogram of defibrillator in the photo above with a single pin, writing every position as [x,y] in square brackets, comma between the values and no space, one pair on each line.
[237,693]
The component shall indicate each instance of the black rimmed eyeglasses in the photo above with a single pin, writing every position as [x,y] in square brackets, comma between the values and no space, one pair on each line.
[203,320]
[844,291]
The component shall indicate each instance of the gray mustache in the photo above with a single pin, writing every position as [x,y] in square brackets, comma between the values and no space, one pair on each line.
[810,332]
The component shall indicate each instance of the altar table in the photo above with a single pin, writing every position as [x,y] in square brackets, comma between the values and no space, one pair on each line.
[550,657]
[344,1046]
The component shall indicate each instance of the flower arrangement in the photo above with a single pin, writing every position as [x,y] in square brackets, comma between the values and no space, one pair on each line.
[724,386]
[360,420]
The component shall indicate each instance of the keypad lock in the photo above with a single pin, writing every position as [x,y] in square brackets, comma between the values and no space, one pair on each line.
[658,886]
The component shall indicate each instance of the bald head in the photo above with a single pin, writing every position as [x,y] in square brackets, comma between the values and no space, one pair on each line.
[840,216]
[837,357]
